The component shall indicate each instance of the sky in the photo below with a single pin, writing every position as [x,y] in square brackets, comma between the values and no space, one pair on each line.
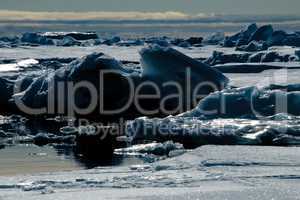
[191,7]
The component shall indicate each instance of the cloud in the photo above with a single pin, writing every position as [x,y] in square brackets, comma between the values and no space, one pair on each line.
[27,15]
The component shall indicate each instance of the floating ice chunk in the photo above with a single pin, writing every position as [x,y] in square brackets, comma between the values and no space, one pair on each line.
[27,62]
[169,64]
[36,38]
[184,44]
[17,66]
[193,132]
[253,46]
[222,58]
[240,38]
[9,67]
[162,41]
[214,39]
[93,63]
[195,40]
[112,41]
[249,101]
[227,103]
[190,132]
[263,33]
[75,35]
[130,43]
[68,41]
[87,68]
[293,58]
[287,140]
[68,130]
[152,148]
[9,39]
[271,56]
[247,39]
[140,167]
[256,57]
[34,187]
[60,38]
[277,38]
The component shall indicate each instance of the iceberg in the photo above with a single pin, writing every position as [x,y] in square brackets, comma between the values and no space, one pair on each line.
[264,35]
[159,65]
[240,38]
[249,102]
[168,63]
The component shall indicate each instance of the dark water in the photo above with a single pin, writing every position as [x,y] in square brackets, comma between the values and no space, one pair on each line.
[31,159]
[19,154]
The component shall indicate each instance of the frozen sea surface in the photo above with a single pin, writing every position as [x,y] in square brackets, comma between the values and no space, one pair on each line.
[209,172]
[120,53]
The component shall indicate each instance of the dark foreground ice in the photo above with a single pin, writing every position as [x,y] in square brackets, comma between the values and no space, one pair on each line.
[159,65]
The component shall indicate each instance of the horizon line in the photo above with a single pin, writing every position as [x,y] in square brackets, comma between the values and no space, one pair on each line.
[18,15]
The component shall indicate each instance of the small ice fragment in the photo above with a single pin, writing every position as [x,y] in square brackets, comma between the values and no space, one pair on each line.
[68,130]
[139,167]
[27,62]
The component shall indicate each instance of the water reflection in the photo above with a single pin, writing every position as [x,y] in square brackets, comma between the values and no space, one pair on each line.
[64,156]
[69,152]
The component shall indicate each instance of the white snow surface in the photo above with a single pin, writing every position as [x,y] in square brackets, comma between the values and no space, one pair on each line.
[209,172]
[17,66]
[120,53]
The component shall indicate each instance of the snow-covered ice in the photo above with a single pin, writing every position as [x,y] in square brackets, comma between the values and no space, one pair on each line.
[209,172]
